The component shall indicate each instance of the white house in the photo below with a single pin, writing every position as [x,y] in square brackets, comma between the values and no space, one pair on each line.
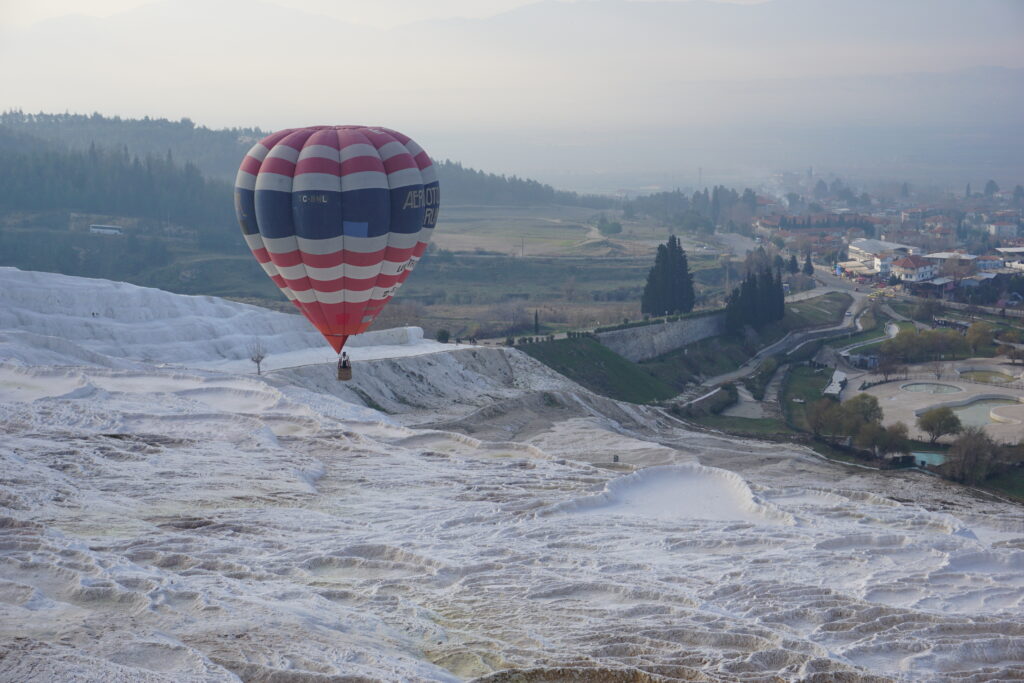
[913,268]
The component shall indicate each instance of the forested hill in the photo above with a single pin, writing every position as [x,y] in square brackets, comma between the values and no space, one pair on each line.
[460,185]
[214,152]
[217,153]
[39,176]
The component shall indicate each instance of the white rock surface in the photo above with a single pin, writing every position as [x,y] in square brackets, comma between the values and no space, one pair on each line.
[187,523]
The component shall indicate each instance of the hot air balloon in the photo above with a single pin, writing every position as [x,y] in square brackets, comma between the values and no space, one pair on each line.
[338,217]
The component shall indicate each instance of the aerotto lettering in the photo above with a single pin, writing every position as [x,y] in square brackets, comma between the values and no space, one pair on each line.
[314,199]
[417,199]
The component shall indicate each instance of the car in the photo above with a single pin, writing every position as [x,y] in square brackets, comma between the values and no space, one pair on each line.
[848,314]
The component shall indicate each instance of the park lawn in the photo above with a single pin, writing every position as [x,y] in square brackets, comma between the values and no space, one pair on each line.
[596,367]
[821,310]
[904,325]
[807,383]
[874,328]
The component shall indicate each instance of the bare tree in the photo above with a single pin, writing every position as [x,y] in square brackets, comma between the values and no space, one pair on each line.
[257,352]
[937,367]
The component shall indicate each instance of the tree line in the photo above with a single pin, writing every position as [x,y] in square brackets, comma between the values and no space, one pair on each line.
[699,212]
[217,153]
[759,300]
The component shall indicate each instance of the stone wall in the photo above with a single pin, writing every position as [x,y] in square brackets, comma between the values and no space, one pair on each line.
[650,341]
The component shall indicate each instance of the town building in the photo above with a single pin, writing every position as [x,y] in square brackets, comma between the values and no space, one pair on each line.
[913,268]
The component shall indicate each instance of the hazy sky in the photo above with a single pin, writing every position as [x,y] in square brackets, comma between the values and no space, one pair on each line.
[379,13]
[585,93]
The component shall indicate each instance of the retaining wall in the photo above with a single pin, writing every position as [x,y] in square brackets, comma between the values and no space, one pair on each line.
[650,341]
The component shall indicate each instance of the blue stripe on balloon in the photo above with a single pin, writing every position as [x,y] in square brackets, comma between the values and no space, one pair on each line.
[274,213]
[321,215]
[245,210]
[407,207]
[317,214]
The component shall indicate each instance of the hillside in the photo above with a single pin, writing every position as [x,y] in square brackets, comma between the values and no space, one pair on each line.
[216,154]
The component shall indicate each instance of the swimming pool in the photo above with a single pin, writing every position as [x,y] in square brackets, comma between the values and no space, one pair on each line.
[929,458]
[976,414]
[987,376]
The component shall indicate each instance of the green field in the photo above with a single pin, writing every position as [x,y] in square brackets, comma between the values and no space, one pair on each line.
[550,231]
[533,231]
[1011,484]
[596,367]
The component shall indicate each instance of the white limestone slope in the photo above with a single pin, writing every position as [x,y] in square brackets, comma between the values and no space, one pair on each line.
[186,522]
[74,319]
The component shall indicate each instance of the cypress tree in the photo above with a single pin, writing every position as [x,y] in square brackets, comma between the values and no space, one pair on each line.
[669,286]
[765,298]
[654,299]
[794,266]
[808,266]
[780,297]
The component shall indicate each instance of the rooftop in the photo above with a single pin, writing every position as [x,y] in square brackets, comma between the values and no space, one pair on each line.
[912,261]
[951,254]
[877,246]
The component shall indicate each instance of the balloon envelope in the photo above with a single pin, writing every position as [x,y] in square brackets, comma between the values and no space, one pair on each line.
[338,217]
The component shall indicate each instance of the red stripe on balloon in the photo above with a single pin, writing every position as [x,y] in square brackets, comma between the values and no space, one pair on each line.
[361,165]
[318,165]
[250,165]
[350,258]
[423,161]
[278,165]
[399,162]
